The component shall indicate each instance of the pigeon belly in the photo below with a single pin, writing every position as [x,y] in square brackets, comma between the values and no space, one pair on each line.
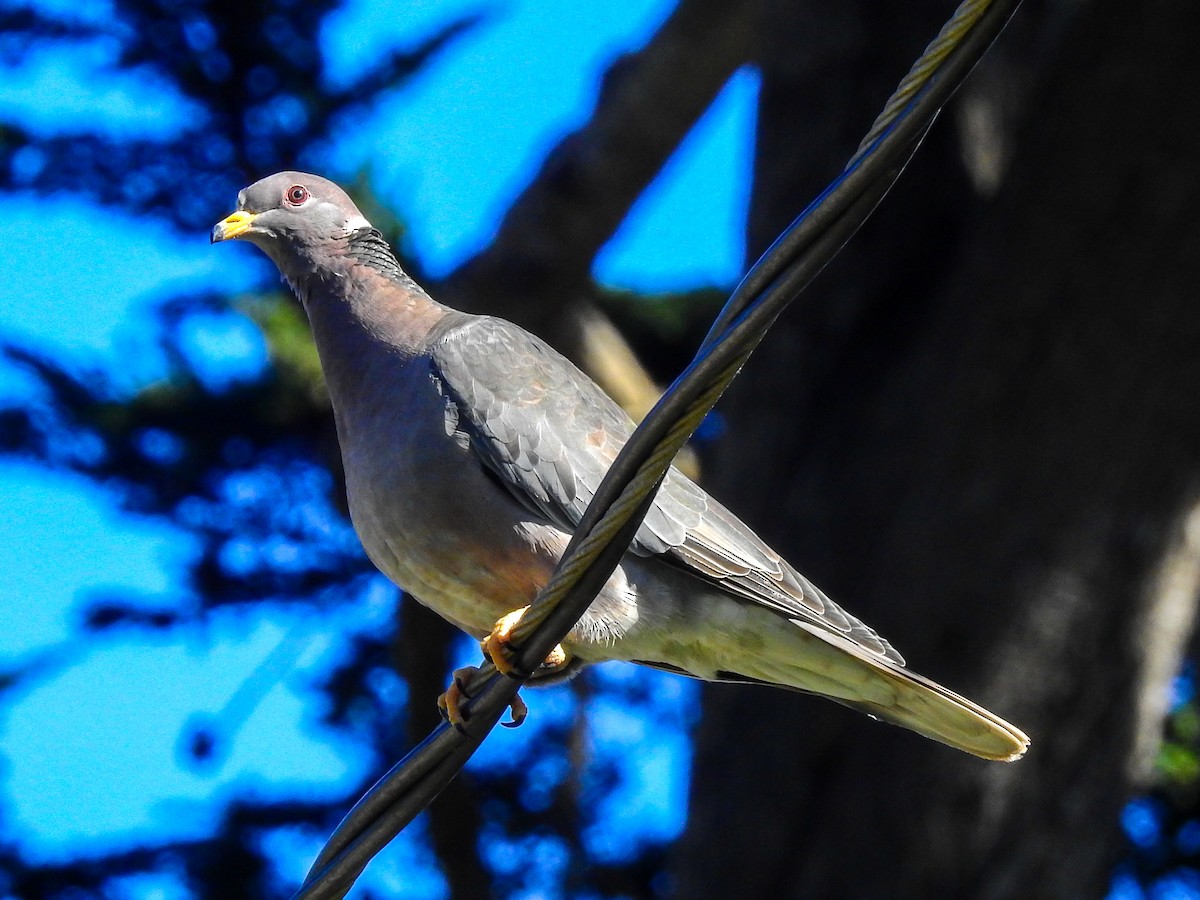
[466,551]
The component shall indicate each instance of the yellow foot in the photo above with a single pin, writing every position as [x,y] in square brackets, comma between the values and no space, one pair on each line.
[450,703]
[495,645]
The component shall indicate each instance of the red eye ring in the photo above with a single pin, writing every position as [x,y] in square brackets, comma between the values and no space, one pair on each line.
[296,194]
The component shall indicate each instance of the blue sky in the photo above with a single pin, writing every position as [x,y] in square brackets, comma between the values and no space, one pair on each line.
[451,149]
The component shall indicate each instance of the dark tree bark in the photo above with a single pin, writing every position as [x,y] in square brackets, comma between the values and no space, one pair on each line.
[990,454]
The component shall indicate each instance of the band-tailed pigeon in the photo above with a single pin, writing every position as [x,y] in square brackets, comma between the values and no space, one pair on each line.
[471,449]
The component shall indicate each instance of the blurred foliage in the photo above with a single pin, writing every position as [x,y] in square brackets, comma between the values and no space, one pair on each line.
[1162,827]
[1179,757]
[248,465]
[664,329]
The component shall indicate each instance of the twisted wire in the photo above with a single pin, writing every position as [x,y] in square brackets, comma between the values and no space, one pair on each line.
[925,68]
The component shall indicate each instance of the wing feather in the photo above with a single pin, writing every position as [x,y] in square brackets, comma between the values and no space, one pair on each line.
[550,433]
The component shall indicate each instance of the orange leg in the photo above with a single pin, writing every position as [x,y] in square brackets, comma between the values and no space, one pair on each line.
[450,703]
[495,645]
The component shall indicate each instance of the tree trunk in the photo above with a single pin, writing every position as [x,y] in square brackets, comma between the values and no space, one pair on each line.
[990,456]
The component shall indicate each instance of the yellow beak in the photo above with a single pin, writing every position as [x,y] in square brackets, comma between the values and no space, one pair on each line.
[235,225]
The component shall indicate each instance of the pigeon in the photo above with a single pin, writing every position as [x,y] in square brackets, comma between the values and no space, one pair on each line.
[471,450]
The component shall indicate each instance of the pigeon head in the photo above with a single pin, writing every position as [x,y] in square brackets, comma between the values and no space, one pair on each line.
[295,218]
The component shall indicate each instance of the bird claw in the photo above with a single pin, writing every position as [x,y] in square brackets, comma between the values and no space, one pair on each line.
[518,711]
[450,703]
[495,646]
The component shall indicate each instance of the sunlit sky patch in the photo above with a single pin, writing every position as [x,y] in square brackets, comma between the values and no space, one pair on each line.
[58,536]
[72,289]
[75,89]
[696,207]
[113,774]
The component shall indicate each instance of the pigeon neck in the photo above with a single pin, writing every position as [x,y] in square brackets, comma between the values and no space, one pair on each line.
[366,314]
[357,285]
[366,247]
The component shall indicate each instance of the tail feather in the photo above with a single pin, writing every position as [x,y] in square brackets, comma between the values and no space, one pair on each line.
[882,689]
[929,709]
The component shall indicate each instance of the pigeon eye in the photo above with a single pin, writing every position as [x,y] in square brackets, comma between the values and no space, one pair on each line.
[296,194]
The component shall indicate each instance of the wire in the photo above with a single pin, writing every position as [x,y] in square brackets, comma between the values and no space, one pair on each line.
[627,491]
